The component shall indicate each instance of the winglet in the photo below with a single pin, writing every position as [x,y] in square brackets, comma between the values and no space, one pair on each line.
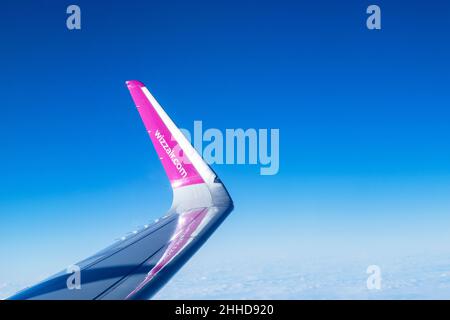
[183,165]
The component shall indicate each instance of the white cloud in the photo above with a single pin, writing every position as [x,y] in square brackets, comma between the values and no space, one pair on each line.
[8,289]
[417,277]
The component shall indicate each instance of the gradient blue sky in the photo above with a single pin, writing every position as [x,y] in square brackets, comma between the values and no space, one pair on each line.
[363,118]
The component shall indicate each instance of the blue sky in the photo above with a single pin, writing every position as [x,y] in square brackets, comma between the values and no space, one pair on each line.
[363,118]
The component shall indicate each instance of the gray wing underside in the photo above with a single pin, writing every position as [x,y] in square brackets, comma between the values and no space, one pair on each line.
[113,272]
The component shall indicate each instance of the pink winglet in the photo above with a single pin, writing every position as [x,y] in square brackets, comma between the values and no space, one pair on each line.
[180,173]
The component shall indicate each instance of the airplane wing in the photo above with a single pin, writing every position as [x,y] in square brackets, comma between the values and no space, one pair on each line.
[137,266]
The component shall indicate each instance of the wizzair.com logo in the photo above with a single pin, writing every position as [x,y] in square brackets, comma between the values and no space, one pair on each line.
[232,146]
[171,153]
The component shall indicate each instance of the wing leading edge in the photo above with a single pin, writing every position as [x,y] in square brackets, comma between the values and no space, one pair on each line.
[137,266]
